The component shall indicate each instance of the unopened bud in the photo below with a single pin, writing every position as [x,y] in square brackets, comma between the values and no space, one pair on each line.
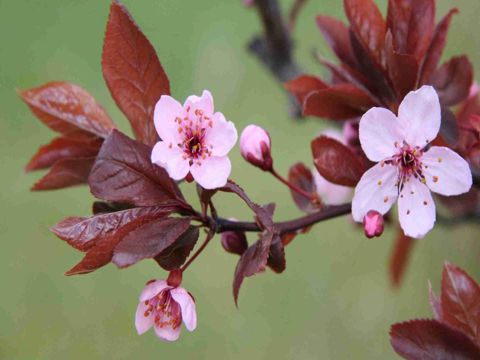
[234,242]
[175,278]
[255,147]
[373,224]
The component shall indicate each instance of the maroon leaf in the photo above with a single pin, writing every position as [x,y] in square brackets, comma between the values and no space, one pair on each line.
[399,258]
[276,257]
[431,340]
[304,85]
[339,102]
[149,240]
[368,25]
[62,148]
[84,233]
[65,173]
[68,109]
[133,72]
[176,254]
[301,176]
[338,38]
[437,45]
[123,172]
[460,300]
[101,207]
[336,162]
[453,80]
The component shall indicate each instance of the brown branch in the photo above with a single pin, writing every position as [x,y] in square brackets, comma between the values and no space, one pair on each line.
[274,47]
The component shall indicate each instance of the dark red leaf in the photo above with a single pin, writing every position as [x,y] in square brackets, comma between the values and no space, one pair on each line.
[368,25]
[65,173]
[123,172]
[101,207]
[339,102]
[133,72]
[399,257]
[301,176]
[461,301]
[431,340]
[68,109]
[149,240]
[62,148]
[336,162]
[84,233]
[304,85]
[453,80]
[338,38]
[276,257]
[176,254]
[437,45]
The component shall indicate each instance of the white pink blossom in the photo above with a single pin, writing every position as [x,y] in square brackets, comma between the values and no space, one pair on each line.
[408,168]
[195,140]
[165,307]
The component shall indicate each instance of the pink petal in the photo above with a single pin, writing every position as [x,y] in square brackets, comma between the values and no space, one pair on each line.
[213,172]
[167,110]
[204,103]
[420,116]
[376,190]
[152,289]
[142,322]
[222,136]
[380,133]
[171,158]
[446,172]
[189,314]
[416,209]
[167,333]
[251,139]
[330,193]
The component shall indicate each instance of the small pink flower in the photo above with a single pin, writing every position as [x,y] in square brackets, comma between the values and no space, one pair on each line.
[408,167]
[373,224]
[195,140]
[164,307]
[255,147]
[330,193]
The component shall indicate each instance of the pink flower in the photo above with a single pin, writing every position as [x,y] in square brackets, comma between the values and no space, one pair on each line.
[194,139]
[373,224]
[408,167]
[330,193]
[164,307]
[255,147]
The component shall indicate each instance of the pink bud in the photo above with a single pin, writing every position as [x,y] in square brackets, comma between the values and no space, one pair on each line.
[255,147]
[373,224]
[234,242]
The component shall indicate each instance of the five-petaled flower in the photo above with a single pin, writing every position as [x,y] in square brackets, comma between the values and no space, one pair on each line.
[408,167]
[164,307]
[195,140]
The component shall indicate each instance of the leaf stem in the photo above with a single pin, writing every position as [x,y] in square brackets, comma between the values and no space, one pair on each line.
[209,237]
[292,186]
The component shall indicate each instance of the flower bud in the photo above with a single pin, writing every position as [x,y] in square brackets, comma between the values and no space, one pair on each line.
[255,147]
[373,224]
[234,242]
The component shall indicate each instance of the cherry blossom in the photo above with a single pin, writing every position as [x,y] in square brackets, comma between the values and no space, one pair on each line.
[255,146]
[408,168]
[164,307]
[195,140]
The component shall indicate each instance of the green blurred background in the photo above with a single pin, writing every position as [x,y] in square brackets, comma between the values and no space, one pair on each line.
[333,302]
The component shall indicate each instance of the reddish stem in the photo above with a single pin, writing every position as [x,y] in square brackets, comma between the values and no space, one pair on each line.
[200,249]
[292,186]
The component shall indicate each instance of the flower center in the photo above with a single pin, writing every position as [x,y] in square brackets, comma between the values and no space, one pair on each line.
[166,311]
[408,162]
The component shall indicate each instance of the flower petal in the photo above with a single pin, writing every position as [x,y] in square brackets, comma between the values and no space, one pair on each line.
[204,103]
[213,172]
[376,190]
[167,332]
[222,136]
[416,209]
[167,110]
[420,116]
[330,193]
[171,159]
[446,172]
[189,313]
[380,133]
[142,322]
[152,289]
